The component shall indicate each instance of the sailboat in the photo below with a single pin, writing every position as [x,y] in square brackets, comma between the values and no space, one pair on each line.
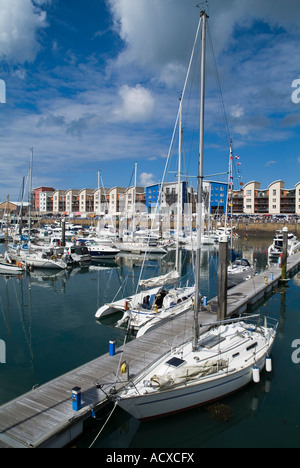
[7,264]
[224,359]
[239,269]
[148,308]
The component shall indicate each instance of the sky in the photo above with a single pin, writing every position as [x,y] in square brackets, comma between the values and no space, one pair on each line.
[93,86]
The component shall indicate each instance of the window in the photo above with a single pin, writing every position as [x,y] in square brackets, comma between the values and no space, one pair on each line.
[251,346]
[249,193]
[274,193]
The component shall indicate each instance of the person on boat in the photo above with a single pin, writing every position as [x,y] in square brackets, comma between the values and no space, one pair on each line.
[146,302]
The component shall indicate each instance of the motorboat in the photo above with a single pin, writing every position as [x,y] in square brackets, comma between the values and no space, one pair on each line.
[98,250]
[152,247]
[276,248]
[238,271]
[77,254]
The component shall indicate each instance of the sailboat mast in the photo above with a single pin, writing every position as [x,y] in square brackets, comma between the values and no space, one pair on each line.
[197,305]
[231,193]
[30,192]
[179,197]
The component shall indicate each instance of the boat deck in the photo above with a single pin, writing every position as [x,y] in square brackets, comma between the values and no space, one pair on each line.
[44,417]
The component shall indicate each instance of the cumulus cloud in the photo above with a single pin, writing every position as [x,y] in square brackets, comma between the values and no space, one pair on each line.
[20,22]
[137,104]
[146,178]
[158,34]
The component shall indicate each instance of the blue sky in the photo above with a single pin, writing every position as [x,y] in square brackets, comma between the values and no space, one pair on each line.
[94,85]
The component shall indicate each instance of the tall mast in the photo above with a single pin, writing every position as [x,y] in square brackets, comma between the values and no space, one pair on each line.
[30,191]
[231,192]
[133,201]
[197,305]
[179,192]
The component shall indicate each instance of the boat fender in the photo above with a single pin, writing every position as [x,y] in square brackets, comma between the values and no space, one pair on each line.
[268,364]
[255,374]
[123,368]
[126,306]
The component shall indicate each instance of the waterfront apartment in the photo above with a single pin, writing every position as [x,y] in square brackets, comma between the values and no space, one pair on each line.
[250,200]
[275,200]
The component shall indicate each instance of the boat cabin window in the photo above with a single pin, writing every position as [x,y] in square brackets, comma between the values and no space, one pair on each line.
[252,346]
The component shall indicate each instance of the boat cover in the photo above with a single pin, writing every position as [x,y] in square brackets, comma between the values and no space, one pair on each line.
[169,278]
[187,374]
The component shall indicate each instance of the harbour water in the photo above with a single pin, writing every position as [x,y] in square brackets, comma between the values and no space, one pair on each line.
[48,325]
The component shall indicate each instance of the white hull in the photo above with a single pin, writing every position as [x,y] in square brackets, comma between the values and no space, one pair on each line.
[121,305]
[140,248]
[44,263]
[276,249]
[166,304]
[188,397]
[10,268]
[143,321]
[222,363]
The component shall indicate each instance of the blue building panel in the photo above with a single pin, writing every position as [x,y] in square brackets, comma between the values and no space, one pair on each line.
[153,194]
[218,197]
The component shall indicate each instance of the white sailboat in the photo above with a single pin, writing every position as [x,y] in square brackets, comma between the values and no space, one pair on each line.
[224,359]
[239,269]
[8,264]
[150,307]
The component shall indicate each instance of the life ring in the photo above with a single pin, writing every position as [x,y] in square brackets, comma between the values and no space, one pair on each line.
[19,265]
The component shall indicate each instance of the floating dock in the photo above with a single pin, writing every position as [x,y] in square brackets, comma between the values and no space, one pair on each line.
[47,417]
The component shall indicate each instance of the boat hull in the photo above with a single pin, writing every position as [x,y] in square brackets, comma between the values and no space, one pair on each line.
[44,263]
[163,403]
[11,269]
[103,254]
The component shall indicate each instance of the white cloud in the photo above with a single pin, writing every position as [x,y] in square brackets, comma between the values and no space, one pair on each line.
[237,111]
[20,22]
[137,104]
[146,178]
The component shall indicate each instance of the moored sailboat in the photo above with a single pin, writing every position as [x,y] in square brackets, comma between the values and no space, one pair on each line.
[226,358]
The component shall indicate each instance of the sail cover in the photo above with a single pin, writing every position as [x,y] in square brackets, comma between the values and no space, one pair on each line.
[187,374]
[169,278]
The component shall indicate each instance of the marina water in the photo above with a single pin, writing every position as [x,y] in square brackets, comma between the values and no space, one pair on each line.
[48,325]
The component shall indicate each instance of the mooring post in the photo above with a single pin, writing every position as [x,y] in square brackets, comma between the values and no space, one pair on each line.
[222,278]
[284,253]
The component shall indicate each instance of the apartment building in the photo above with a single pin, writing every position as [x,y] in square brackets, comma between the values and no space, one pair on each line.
[42,199]
[249,200]
[275,200]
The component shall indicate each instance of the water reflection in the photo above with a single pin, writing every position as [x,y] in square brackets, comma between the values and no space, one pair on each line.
[47,321]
